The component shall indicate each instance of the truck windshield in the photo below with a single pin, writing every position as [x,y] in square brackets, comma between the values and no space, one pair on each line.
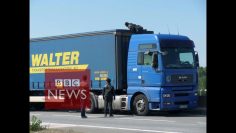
[178,57]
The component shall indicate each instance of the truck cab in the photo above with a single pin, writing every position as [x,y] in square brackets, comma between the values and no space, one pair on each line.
[161,73]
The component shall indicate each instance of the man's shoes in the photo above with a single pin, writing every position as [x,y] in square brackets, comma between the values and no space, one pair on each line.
[84,117]
[105,115]
[111,115]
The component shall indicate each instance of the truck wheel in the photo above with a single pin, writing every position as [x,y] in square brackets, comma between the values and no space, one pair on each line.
[92,108]
[140,105]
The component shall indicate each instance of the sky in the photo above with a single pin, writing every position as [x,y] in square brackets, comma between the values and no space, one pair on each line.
[59,17]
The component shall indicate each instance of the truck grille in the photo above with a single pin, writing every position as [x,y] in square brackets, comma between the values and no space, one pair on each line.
[179,78]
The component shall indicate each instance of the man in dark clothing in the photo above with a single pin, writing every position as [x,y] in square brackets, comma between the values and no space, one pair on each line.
[82,102]
[108,94]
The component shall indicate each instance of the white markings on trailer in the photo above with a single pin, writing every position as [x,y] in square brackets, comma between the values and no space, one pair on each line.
[37,99]
[60,125]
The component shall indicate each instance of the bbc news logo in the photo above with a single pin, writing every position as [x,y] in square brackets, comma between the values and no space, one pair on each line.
[71,90]
[68,88]
[67,83]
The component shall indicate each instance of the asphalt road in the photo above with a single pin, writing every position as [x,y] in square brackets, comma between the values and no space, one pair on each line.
[185,122]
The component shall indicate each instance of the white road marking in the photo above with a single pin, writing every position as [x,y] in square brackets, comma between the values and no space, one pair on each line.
[119,118]
[35,114]
[201,123]
[145,119]
[60,125]
[68,115]
[76,116]
[56,125]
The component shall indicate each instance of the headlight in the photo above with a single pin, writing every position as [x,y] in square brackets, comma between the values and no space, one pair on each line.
[166,95]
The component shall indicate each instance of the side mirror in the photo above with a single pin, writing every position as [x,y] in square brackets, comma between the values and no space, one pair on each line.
[154,60]
[196,59]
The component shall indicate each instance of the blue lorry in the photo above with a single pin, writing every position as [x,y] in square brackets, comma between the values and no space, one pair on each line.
[149,71]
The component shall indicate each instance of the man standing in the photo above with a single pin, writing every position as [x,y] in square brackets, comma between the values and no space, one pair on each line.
[83,84]
[108,94]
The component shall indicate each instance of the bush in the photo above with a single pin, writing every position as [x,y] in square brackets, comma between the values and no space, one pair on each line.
[35,124]
[202,88]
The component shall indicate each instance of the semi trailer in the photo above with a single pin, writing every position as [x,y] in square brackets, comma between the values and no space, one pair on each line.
[148,71]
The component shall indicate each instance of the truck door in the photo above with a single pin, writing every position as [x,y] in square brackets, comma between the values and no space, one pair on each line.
[149,75]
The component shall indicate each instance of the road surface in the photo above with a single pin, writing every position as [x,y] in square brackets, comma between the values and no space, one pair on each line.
[186,122]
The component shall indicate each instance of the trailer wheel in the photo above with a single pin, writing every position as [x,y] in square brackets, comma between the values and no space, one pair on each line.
[92,108]
[140,105]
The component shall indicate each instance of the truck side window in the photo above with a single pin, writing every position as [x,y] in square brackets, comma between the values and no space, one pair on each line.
[148,59]
[140,58]
[144,59]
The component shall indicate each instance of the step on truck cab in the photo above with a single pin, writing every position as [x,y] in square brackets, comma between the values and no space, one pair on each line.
[149,71]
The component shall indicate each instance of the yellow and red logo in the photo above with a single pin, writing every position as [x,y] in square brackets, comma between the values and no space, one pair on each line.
[59,60]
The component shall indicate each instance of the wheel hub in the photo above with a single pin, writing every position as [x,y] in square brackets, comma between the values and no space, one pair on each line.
[140,105]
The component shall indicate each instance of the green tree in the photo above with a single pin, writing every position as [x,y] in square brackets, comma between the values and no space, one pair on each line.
[202,77]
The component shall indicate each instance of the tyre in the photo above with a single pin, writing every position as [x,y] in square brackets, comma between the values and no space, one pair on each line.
[92,108]
[140,105]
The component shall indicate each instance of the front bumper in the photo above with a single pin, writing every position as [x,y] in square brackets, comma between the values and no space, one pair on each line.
[176,100]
